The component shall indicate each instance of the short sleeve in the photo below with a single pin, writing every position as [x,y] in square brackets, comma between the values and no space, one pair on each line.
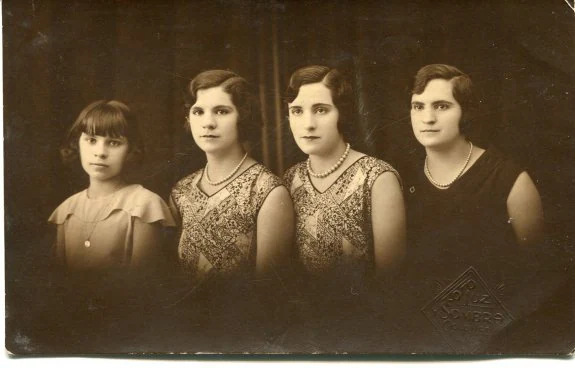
[379,167]
[265,183]
[64,210]
[59,215]
[149,208]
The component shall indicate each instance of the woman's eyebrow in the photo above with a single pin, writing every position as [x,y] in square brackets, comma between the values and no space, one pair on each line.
[416,102]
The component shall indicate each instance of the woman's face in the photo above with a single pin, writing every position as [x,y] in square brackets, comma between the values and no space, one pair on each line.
[103,157]
[436,115]
[313,120]
[214,120]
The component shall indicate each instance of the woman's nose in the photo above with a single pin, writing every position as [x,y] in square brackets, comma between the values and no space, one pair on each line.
[309,122]
[428,116]
[209,121]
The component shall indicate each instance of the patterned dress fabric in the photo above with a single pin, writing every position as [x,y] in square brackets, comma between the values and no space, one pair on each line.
[334,227]
[218,232]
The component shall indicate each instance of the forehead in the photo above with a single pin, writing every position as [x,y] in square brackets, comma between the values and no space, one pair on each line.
[436,90]
[311,94]
[214,96]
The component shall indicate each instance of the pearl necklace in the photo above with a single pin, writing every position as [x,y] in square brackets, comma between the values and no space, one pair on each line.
[227,177]
[428,173]
[330,170]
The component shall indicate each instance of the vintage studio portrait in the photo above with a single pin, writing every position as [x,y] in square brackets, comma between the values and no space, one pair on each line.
[292,177]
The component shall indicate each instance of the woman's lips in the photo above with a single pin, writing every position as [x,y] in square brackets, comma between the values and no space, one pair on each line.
[98,166]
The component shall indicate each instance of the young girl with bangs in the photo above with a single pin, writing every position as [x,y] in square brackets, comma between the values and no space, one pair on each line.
[111,225]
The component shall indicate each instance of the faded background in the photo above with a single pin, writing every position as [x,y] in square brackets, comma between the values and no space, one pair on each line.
[61,55]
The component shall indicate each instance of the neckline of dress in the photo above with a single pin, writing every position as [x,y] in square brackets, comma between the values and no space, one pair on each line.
[105,208]
[457,183]
[336,179]
[196,184]
[108,196]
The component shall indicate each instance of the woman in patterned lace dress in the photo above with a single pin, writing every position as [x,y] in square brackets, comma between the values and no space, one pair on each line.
[350,217]
[236,217]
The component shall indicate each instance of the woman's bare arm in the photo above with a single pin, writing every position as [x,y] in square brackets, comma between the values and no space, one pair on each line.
[275,232]
[525,210]
[388,222]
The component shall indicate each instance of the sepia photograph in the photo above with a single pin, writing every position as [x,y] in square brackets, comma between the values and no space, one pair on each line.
[289,177]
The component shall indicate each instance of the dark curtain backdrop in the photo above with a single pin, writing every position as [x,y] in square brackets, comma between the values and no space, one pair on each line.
[60,55]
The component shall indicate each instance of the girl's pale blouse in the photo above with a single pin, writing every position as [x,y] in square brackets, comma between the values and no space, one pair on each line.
[107,223]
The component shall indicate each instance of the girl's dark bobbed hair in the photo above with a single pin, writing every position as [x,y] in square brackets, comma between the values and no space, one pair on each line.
[104,118]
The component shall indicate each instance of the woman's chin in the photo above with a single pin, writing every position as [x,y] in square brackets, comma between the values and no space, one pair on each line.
[308,149]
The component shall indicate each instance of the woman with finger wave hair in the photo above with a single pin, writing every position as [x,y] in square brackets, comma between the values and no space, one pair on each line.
[350,218]
[475,225]
[236,216]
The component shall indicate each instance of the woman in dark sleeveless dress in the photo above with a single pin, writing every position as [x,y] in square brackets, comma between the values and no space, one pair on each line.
[474,217]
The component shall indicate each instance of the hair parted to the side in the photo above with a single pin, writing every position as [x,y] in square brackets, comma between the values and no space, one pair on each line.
[249,119]
[462,88]
[104,118]
[341,93]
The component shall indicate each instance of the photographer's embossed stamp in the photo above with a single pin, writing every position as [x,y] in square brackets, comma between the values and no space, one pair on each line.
[467,312]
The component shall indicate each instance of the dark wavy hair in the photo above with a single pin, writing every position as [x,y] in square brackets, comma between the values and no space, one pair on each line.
[341,93]
[249,119]
[462,89]
[105,118]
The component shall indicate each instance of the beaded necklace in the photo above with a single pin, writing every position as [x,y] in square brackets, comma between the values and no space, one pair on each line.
[428,173]
[331,169]
[214,183]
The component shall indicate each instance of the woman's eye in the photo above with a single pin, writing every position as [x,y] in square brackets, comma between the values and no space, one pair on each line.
[442,107]
[417,107]
[321,110]
[196,112]
[91,140]
[115,143]
[295,112]
[222,112]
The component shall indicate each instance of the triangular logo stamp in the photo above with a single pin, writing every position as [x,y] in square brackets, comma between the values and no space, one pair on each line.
[467,313]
